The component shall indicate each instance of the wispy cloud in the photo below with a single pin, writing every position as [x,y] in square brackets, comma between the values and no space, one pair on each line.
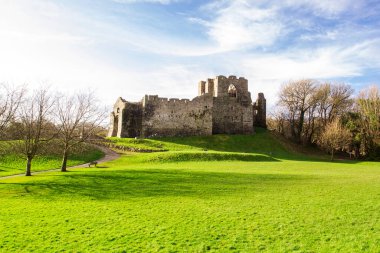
[146,1]
[267,72]
[125,50]
[239,25]
[325,8]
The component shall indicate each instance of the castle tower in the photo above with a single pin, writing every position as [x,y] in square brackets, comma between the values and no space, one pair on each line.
[223,106]
[261,108]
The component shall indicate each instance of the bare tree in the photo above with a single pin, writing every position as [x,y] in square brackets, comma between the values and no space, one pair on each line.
[78,118]
[309,109]
[341,100]
[35,127]
[352,121]
[10,100]
[276,121]
[333,100]
[335,137]
[329,101]
[311,123]
[297,98]
[368,104]
[309,106]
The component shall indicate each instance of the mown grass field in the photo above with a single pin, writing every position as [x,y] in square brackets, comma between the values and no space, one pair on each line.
[13,163]
[218,194]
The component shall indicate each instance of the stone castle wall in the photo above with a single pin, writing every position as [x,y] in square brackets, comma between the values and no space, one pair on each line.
[260,111]
[231,118]
[132,120]
[175,117]
[233,113]
[223,105]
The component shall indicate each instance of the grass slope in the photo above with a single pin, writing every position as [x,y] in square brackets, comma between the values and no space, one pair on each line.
[12,163]
[161,202]
[262,144]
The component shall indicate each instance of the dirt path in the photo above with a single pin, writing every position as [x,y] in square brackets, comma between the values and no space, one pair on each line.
[109,155]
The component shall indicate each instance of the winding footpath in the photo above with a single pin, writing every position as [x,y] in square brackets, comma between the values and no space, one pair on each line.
[109,155]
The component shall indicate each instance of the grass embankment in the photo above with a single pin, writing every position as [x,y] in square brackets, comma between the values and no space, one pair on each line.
[260,147]
[12,163]
[281,204]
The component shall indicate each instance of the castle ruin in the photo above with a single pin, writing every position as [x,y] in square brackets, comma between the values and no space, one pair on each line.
[223,106]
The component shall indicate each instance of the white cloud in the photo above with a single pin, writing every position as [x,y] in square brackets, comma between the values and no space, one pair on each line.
[267,72]
[41,41]
[33,53]
[146,1]
[326,8]
[240,25]
[323,64]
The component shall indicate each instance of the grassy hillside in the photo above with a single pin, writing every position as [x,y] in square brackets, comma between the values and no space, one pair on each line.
[13,163]
[234,198]
[260,142]
[260,146]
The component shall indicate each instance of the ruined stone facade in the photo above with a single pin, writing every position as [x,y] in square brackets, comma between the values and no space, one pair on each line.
[223,105]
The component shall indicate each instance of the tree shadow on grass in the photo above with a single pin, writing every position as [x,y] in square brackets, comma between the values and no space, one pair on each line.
[118,185]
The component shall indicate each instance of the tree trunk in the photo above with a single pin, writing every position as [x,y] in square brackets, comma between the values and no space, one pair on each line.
[28,166]
[332,154]
[300,126]
[64,160]
[357,152]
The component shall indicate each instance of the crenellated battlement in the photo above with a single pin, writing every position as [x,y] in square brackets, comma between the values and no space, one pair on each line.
[218,86]
[155,99]
[223,105]
[231,77]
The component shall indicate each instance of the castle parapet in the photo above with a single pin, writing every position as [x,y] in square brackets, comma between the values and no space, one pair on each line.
[149,98]
[156,100]
[201,88]
[210,86]
[223,105]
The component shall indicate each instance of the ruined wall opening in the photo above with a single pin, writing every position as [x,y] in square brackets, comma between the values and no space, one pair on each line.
[232,91]
[115,125]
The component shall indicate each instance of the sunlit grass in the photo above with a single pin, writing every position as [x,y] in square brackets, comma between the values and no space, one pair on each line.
[12,163]
[220,202]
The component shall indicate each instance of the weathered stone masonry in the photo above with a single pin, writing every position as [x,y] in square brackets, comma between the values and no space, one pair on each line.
[223,105]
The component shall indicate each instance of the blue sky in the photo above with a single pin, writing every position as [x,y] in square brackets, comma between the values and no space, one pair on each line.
[130,48]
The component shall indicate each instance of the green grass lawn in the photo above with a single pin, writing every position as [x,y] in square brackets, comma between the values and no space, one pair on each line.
[249,195]
[12,163]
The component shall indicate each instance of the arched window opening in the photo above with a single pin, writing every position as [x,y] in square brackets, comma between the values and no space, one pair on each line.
[232,91]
